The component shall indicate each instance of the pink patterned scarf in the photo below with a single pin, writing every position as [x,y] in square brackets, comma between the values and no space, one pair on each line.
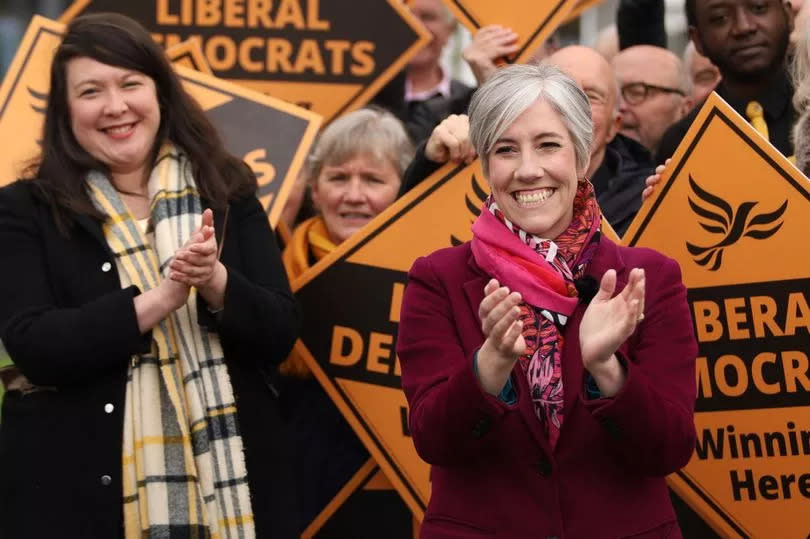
[543,271]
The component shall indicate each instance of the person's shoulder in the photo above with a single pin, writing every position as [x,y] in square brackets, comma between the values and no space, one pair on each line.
[654,263]
[448,260]
[20,194]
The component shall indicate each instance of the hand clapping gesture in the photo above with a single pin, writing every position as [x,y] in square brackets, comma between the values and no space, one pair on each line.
[608,321]
[196,264]
[499,313]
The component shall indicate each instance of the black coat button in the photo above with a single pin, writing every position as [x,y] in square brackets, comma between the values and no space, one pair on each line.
[482,427]
[544,467]
[106,480]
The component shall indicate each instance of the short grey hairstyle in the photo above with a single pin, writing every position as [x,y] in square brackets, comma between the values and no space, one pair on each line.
[367,131]
[515,88]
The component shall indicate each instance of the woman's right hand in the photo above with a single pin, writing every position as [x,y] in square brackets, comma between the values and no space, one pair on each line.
[503,331]
[174,293]
[450,141]
[653,180]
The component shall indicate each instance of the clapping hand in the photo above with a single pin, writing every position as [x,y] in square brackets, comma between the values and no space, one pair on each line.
[608,321]
[503,331]
[196,262]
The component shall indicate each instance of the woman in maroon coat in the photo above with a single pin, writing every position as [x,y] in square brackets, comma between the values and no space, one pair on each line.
[550,373]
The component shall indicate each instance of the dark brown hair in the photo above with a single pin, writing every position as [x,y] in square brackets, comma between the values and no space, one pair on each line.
[119,41]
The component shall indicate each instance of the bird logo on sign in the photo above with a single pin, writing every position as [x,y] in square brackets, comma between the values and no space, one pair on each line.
[474,203]
[718,217]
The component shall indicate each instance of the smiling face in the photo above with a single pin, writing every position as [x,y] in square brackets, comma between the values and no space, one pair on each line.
[114,113]
[352,193]
[532,172]
[648,120]
[745,39]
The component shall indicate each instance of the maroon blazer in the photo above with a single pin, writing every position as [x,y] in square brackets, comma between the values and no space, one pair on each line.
[494,473]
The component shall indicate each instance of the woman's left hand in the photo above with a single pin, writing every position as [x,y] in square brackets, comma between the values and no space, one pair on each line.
[196,263]
[608,322]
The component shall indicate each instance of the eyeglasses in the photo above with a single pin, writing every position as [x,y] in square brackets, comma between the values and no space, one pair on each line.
[636,92]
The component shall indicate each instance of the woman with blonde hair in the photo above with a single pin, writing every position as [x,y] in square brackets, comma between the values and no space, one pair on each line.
[353,173]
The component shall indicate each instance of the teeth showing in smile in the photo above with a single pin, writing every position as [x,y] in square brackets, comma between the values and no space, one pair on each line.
[119,129]
[533,197]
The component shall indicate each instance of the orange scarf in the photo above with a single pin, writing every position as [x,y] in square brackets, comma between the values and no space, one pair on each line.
[309,239]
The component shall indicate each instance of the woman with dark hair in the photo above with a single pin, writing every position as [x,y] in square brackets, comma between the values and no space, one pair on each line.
[144,306]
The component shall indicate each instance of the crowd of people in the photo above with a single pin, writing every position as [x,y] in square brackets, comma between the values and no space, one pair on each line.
[549,372]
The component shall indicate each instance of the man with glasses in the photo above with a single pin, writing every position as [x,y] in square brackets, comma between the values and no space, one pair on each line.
[652,93]
[747,40]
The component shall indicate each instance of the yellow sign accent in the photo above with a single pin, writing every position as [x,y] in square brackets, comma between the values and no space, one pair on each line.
[738,227]
[337,55]
[271,135]
[189,54]
[533,20]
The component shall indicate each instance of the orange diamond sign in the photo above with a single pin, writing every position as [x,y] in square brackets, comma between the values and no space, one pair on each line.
[329,57]
[735,213]
[271,135]
[533,20]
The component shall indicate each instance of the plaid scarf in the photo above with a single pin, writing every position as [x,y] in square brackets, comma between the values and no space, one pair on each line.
[183,463]
[543,271]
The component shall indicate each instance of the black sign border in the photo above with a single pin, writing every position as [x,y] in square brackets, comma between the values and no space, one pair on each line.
[318,271]
[714,113]
[532,38]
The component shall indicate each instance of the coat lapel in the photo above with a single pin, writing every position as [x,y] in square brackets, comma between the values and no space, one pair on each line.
[474,290]
[606,257]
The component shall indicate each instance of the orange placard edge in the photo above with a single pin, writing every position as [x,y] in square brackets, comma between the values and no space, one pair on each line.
[314,122]
[684,485]
[396,66]
[191,48]
[400,206]
[541,33]
[360,478]
[344,251]
[38,24]
[713,106]
[73,10]
[581,7]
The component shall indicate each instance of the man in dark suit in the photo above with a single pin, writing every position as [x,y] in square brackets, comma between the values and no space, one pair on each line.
[748,43]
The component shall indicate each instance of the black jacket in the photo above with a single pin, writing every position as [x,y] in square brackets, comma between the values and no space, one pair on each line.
[619,181]
[67,323]
[776,101]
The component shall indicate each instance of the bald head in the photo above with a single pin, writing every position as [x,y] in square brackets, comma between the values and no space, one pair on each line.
[653,93]
[594,75]
[703,74]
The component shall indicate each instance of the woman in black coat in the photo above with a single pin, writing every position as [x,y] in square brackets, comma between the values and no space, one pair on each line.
[145,307]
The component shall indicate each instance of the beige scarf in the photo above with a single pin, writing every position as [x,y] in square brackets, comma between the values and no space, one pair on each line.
[183,462]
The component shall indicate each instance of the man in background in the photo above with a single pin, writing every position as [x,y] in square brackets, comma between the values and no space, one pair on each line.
[652,92]
[747,41]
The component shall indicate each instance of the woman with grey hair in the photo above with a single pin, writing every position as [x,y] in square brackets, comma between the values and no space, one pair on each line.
[551,389]
[353,172]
